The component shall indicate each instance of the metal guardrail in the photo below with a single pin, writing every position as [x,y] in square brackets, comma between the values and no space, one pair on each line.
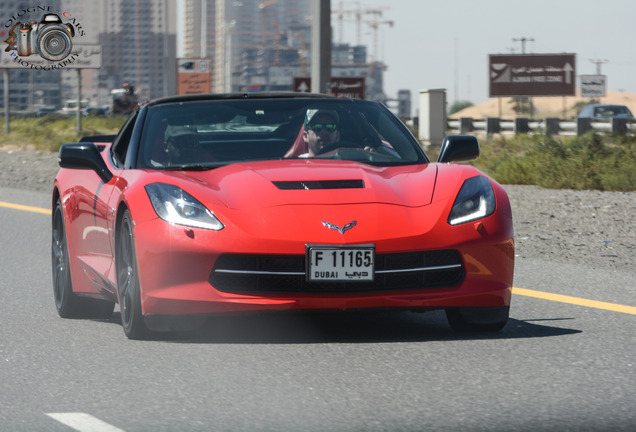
[549,126]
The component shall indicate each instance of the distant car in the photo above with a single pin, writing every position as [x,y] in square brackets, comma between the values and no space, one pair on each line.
[602,111]
[208,204]
[42,111]
[95,111]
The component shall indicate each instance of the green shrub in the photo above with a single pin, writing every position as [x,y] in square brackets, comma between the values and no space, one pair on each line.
[592,161]
[459,105]
[49,132]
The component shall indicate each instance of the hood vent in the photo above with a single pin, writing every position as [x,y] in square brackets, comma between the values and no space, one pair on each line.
[319,184]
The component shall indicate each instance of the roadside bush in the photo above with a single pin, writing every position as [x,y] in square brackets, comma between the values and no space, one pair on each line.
[459,105]
[592,161]
[49,132]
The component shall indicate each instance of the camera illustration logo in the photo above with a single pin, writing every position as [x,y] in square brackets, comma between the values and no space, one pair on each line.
[50,38]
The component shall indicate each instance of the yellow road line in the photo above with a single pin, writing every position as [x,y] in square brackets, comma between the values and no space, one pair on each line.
[25,208]
[575,300]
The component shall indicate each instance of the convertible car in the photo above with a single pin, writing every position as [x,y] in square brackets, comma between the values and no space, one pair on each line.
[232,203]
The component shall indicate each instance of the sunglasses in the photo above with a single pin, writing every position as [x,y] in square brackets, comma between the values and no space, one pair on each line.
[317,127]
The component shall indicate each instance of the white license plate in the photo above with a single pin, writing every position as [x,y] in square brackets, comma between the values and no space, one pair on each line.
[334,263]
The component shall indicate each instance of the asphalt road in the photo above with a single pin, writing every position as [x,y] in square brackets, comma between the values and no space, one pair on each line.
[557,366]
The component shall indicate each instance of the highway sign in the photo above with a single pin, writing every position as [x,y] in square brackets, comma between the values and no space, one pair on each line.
[593,85]
[532,75]
[302,85]
[349,87]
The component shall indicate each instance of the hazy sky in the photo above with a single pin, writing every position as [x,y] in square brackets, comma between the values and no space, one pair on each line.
[446,43]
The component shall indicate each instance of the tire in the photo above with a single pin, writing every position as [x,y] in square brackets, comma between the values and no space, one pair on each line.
[132,319]
[67,303]
[479,319]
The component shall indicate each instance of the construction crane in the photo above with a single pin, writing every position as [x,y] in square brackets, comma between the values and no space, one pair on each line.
[341,13]
[375,24]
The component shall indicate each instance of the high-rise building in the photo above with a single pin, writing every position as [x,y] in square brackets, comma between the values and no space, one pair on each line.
[271,44]
[244,38]
[138,39]
[199,31]
[262,45]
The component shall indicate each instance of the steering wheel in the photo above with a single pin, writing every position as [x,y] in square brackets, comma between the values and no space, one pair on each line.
[336,146]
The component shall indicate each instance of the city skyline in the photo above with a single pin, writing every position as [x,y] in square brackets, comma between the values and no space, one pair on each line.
[424,45]
[252,45]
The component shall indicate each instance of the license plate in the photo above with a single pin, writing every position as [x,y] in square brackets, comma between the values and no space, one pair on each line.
[336,263]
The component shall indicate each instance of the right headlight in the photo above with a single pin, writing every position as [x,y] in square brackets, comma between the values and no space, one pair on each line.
[475,200]
[176,206]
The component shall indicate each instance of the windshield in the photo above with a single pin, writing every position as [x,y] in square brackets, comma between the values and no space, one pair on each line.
[208,134]
[606,111]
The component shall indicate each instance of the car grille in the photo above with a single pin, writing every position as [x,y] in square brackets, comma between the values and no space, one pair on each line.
[236,273]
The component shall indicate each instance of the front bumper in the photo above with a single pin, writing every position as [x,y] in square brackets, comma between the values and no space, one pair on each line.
[176,270]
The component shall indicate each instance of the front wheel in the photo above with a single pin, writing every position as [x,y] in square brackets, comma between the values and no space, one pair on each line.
[128,281]
[67,303]
[478,319]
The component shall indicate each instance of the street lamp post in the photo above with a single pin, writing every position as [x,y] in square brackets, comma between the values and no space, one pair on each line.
[320,46]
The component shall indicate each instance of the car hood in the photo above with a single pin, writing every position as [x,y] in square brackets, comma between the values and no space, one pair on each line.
[250,186]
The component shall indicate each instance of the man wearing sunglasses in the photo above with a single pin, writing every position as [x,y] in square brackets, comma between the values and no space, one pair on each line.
[321,130]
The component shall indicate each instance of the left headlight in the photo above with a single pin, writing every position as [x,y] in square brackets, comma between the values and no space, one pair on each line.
[176,206]
[475,200]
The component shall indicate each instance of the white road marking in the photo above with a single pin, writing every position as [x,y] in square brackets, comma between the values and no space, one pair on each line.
[83,422]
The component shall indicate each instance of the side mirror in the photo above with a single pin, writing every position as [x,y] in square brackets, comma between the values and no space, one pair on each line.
[459,148]
[84,156]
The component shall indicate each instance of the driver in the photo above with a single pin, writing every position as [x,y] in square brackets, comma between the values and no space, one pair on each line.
[182,145]
[321,130]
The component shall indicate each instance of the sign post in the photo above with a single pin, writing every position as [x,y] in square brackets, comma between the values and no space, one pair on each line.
[88,56]
[5,73]
[320,45]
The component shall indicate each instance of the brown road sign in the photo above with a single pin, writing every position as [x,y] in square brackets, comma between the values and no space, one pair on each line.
[349,87]
[532,75]
[193,76]
[302,85]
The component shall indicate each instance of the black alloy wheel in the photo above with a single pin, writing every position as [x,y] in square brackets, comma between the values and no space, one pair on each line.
[62,289]
[478,319]
[67,303]
[128,281]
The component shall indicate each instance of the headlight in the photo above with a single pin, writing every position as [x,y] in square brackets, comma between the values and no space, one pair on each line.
[176,206]
[475,200]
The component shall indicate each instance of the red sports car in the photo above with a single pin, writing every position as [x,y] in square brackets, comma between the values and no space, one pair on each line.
[212,204]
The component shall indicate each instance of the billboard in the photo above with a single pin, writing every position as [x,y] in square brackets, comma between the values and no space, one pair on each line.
[532,74]
[80,57]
